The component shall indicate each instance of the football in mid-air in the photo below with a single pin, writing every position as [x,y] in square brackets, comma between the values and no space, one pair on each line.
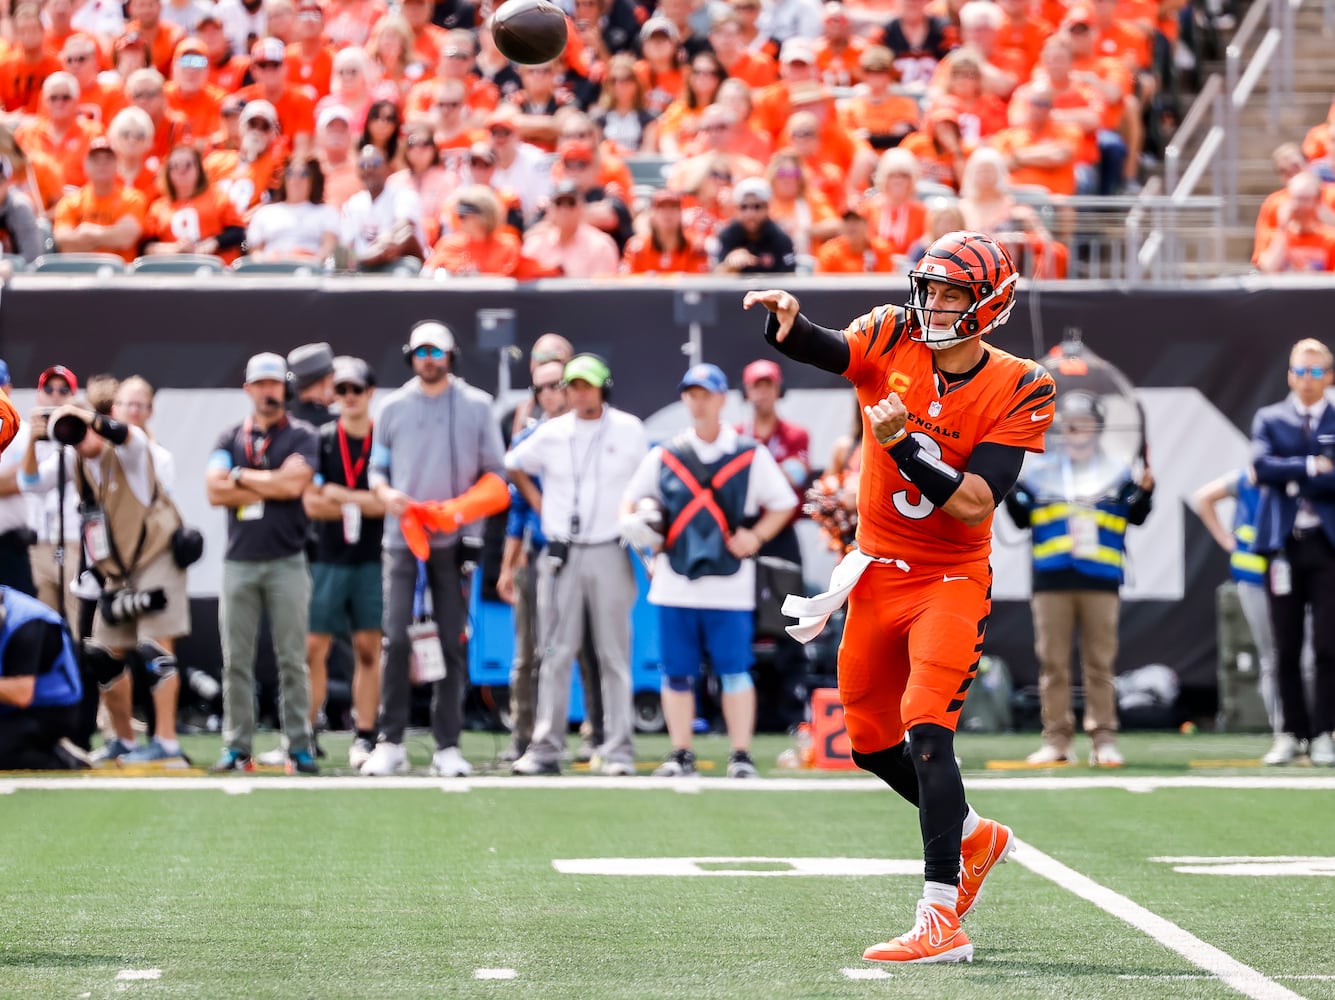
[529,31]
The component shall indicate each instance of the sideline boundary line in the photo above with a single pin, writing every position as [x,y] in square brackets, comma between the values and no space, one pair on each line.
[1231,972]
[247,784]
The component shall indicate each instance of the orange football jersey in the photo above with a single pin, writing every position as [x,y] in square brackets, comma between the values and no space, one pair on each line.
[1009,401]
[9,422]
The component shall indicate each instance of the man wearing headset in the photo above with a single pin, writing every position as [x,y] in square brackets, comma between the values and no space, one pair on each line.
[434,439]
[1078,545]
[585,458]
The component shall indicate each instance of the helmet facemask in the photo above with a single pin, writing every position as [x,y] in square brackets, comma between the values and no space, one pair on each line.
[940,329]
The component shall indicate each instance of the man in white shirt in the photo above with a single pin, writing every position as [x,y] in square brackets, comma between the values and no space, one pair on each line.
[585,458]
[709,482]
[381,226]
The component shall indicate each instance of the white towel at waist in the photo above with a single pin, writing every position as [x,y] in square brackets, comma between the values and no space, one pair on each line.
[813,612]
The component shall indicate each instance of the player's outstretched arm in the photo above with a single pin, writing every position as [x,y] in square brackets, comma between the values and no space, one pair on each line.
[796,336]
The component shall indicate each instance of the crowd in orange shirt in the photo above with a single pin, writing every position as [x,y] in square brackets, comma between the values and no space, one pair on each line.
[1295,227]
[845,110]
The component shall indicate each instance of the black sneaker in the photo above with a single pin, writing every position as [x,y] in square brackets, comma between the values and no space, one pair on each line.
[232,760]
[677,764]
[740,765]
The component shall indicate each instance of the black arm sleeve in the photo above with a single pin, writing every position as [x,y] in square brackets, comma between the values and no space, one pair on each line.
[1139,502]
[999,465]
[231,236]
[810,344]
[113,430]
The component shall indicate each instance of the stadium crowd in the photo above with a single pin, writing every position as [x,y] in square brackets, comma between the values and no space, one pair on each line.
[357,135]
[1295,228]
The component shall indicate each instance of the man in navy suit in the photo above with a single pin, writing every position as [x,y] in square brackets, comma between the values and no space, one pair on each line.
[1293,443]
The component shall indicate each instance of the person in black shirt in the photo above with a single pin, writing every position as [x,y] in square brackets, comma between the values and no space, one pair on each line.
[753,243]
[258,472]
[310,370]
[346,593]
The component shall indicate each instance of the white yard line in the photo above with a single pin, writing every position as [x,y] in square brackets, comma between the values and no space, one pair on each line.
[244,785]
[495,974]
[1229,970]
[131,975]
[865,974]
[1198,975]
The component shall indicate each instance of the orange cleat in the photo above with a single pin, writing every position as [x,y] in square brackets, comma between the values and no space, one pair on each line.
[936,937]
[990,845]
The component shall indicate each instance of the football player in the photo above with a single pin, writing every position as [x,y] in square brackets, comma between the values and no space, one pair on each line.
[947,420]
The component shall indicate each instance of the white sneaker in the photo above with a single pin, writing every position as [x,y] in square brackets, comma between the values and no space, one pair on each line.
[450,763]
[277,757]
[1323,750]
[385,760]
[619,769]
[359,753]
[1282,751]
[1106,755]
[1048,754]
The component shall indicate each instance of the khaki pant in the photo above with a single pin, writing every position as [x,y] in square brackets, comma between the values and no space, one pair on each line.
[1058,614]
[44,577]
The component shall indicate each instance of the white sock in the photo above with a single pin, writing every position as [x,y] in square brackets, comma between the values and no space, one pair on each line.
[971,819]
[941,894]
[171,746]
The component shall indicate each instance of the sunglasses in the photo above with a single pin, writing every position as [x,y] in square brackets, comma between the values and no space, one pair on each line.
[476,162]
[577,164]
[803,135]
[419,143]
[427,351]
[564,202]
[297,174]
[59,98]
[548,386]
[348,389]
[268,65]
[146,95]
[704,71]
[501,133]
[193,60]
[58,390]
[263,124]
[1315,371]
[449,105]
[370,163]
[752,206]
[75,60]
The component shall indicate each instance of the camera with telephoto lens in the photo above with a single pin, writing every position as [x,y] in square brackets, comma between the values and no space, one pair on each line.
[69,429]
[126,605]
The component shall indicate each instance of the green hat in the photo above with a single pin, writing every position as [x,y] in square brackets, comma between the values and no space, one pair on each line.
[588,368]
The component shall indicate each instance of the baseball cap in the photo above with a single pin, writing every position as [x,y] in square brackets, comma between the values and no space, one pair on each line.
[482,151]
[266,367]
[259,109]
[705,376]
[58,371]
[577,150]
[268,50]
[587,368]
[758,371]
[333,113]
[353,371]
[309,363]
[797,50]
[4,372]
[754,187]
[658,26]
[431,333]
[565,189]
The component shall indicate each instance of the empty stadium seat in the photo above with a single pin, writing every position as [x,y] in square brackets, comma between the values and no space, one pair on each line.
[178,263]
[102,264]
[649,171]
[301,268]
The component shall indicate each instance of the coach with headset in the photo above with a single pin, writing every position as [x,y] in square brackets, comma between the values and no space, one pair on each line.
[585,458]
[435,438]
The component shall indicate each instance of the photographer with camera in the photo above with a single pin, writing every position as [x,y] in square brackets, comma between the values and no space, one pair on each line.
[584,458]
[434,440]
[129,530]
[55,559]
[258,471]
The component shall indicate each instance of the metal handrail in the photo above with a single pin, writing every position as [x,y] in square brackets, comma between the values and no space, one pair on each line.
[1204,104]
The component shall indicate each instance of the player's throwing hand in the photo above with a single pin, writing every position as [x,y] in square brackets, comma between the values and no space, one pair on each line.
[783,305]
[888,418]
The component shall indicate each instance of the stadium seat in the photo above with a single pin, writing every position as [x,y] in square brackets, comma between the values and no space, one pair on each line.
[17,261]
[649,171]
[101,264]
[178,263]
[300,268]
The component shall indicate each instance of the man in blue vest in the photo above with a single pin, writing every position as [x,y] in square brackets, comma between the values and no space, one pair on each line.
[1293,449]
[40,689]
[1078,502]
[1247,569]
[711,484]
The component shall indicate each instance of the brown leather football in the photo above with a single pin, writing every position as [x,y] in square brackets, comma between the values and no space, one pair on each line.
[529,31]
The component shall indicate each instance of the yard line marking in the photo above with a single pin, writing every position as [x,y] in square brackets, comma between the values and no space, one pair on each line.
[1230,971]
[495,974]
[1197,975]
[866,974]
[128,975]
[1194,859]
[241,785]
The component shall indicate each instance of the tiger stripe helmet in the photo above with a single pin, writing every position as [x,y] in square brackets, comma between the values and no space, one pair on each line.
[974,262]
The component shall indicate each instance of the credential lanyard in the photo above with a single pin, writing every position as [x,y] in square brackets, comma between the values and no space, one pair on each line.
[255,452]
[351,472]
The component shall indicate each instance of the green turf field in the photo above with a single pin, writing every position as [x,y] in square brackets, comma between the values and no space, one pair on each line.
[326,887]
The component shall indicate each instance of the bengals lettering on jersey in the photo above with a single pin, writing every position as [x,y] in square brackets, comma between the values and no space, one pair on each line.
[1009,402]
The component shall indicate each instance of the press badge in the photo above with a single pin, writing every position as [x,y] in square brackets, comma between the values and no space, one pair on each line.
[1084,534]
[95,535]
[251,511]
[1281,577]
[352,523]
[428,657]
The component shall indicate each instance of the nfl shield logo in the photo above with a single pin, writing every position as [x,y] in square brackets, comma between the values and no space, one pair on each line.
[935,409]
